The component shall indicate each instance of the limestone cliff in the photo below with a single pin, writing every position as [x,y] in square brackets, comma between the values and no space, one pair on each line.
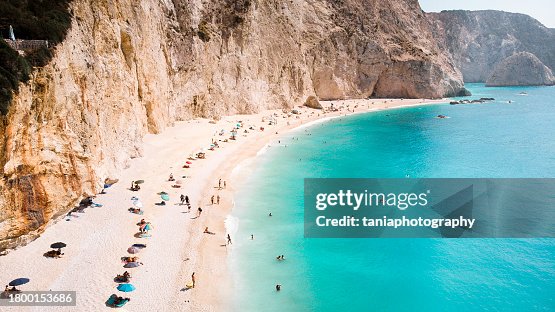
[479,40]
[127,68]
[521,69]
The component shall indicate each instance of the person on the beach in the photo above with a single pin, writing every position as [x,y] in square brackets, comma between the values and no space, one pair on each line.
[132,185]
[182,198]
[199,211]
[193,278]
[220,184]
[171,177]
[252,236]
[218,199]
[228,239]
[187,199]
[212,200]
[7,289]
[225,186]
[189,209]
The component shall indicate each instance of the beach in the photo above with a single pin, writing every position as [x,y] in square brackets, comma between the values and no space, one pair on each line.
[99,237]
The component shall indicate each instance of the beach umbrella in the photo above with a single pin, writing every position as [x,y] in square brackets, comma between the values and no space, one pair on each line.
[58,245]
[132,250]
[126,287]
[138,203]
[139,246]
[19,281]
[131,265]
[165,197]
[147,227]
[139,181]
[188,162]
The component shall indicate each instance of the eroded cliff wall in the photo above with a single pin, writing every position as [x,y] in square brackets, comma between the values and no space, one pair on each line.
[127,68]
[479,40]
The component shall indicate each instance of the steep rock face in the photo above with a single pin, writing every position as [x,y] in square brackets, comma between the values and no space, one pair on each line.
[521,69]
[130,67]
[479,40]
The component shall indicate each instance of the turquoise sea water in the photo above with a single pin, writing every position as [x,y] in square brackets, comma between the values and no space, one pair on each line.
[495,139]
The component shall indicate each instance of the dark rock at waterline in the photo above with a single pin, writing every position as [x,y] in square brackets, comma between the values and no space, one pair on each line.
[480,100]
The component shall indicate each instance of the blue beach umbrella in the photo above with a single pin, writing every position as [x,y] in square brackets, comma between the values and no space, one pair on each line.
[165,196]
[19,281]
[126,287]
[147,227]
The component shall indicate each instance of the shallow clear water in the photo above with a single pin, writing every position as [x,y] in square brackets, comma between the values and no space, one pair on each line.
[494,139]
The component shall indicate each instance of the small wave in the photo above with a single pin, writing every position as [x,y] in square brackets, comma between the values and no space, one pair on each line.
[231,224]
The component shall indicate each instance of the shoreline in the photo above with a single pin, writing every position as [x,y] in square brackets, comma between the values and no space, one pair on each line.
[246,162]
[178,246]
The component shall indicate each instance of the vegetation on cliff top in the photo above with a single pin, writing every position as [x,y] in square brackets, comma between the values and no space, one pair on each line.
[32,20]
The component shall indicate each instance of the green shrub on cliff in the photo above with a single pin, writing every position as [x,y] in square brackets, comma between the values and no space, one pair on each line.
[13,69]
[32,20]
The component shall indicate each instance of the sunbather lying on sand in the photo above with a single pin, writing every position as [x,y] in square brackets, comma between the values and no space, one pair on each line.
[129,259]
[135,210]
[120,300]
[54,254]
[208,232]
[123,278]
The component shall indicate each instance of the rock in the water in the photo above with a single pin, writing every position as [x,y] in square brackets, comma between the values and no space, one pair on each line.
[521,69]
[312,102]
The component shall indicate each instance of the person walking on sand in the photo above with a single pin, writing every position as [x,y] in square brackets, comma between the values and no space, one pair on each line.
[218,199]
[220,184]
[212,200]
[193,278]
[187,199]
[228,239]
[182,198]
[199,211]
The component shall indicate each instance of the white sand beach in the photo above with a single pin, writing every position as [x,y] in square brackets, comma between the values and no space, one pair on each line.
[99,237]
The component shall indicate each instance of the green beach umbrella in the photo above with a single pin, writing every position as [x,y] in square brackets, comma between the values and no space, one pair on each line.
[139,181]
[165,197]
